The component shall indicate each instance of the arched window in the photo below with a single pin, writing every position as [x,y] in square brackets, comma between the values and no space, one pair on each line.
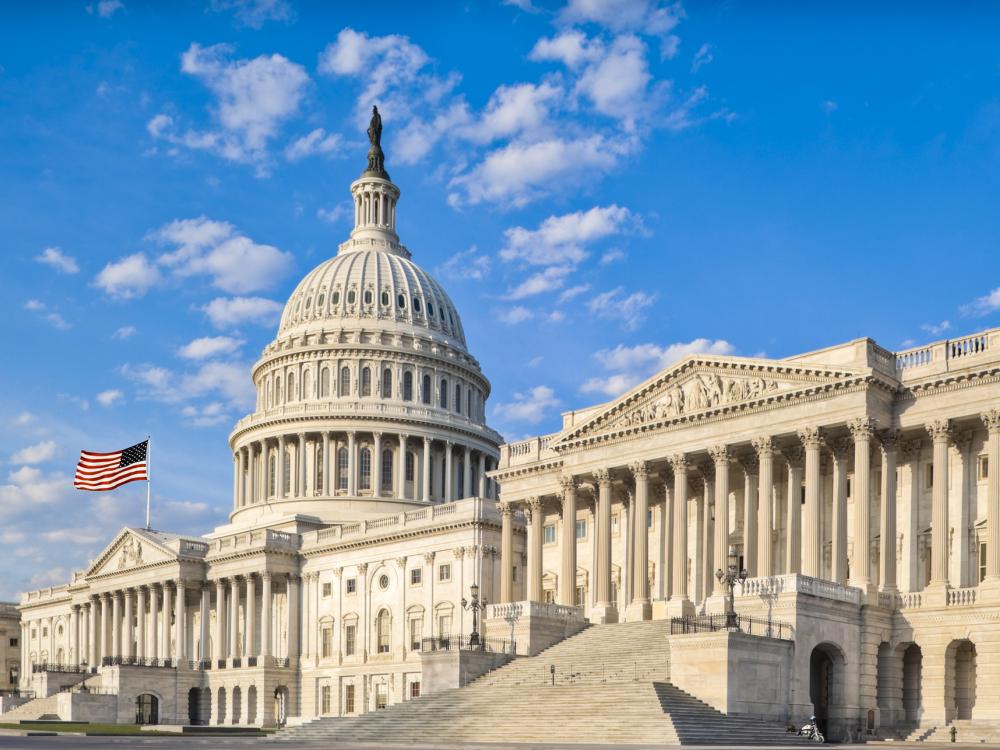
[425,391]
[383,630]
[306,384]
[345,381]
[366,469]
[287,483]
[271,476]
[277,391]
[324,383]
[366,381]
[384,299]
[318,484]
[342,462]
[386,469]
[407,386]
[368,296]
[458,398]
[468,403]
[410,462]
[443,394]
[291,386]
[386,383]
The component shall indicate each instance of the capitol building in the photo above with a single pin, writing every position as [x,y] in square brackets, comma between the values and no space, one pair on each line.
[844,502]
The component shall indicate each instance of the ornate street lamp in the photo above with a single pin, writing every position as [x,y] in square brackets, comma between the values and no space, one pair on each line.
[474,606]
[728,579]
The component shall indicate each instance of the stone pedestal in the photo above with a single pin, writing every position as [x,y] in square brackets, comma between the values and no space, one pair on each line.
[639,610]
[677,607]
[532,626]
[444,670]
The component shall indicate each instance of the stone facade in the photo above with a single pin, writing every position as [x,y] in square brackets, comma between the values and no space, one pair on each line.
[10,647]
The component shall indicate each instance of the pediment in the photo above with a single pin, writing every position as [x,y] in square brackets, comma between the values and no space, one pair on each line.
[130,549]
[703,385]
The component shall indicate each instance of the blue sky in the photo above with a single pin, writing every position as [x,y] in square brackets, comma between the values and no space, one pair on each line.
[602,186]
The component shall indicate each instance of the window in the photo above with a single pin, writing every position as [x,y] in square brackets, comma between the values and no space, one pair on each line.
[386,468]
[425,391]
[366,381]
[444,572]
[407,386]
[401,301]
[384,299]
[581,596]
[513,573]
[414,690]
[458,398]
[45,632]
[383,582]
[444,626]
[616,524]
[352,585]
[291,386]
[444,394]
[410,463]
[416,304]
[324,699]
[327,589]
[982,561]
[342,462]
[416,576]
[277,391]
[345,381]
[335,298]
[549,534]
[929,476]
[849,479]
[287,463]
[321,300]
[468,403]
[381,696]
[319,467]
[13,642]
[271,473]
[386,383]
[984,468]
[326,642]
[350,639]
[366,469]
[348,699]
[368,296]
[581,528]
[416,632]
[324,382]
[649,518]
[351,297]
[383,630]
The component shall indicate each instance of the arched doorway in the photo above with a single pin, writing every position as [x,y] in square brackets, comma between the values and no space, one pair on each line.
[886,685]
[960,679]
[194,706]
[206,706]
[147,709]
[913,668]
[826,676]
[281,705]
[252,705]
[220,704]
[237,705]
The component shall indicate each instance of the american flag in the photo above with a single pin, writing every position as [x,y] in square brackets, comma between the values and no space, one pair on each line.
[105,471]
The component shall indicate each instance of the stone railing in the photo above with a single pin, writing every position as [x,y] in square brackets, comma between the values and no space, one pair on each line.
[961,597]
[258,539]
[909,600]
[517,610]
[799,584]
[943,356]
[526,451]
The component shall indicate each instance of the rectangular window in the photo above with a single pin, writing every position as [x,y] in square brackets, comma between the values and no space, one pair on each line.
[549,536]
[982,561]
[416,576]
[327,589]
[327,647]
[849,486]
[414,689]
[513,573]
[616,524]
[581,596]
[324,700]
[352,585]
[929,476]
[444,627]
[649,518]
[416,633]
[45,632]
[984,468]
[381,696]
[349,699]
[581,528]
[444,572]
[549,596]
[13,642]
[350,638]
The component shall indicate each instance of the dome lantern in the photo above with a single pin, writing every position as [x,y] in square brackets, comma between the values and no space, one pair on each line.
[375,197]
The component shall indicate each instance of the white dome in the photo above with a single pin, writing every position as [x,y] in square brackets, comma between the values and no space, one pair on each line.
[375,290]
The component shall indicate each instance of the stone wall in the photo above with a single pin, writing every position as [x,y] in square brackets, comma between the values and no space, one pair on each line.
[96,709]
[444,670]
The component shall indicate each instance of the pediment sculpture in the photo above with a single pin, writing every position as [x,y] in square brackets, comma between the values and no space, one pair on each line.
[130,554]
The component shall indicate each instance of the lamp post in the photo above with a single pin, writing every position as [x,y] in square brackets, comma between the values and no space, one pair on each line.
[728,579]
[474,606]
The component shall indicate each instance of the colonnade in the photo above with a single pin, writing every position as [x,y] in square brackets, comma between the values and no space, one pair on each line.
[800,513]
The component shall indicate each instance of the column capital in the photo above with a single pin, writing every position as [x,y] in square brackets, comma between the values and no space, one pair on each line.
[363,569]
[962,439]
[720,455]
[811,437]
[750,463]
[567,483]
[679,463]
[910,449]
[889,439]
[429,557]
[640,469]
[763,446]
[534,504]
[266,575]
[400,563]
[603,476]
[794,456]
[991,420]
[506,508]
[697,483]
[862,428]
[841,448]
[295,577]
[707,471]
[939,430]
[459,553]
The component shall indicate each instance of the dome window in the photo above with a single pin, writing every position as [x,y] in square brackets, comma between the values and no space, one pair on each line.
[407,386]
[416,304]
[383,582]
[430,309]
[351,297]
[321,300]
[401,301]
[368,296]
[335,299]
[385,299]
[309,302]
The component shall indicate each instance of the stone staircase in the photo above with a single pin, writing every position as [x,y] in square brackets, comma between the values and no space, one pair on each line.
[968,731]
[611,687]
[38,708]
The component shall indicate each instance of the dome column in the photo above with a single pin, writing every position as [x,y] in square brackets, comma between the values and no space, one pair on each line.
[376,464]
[326,464]
[467,470]
[300,465]
[449,475]
[482,474]
[401,475]
[352,481]
[279,490]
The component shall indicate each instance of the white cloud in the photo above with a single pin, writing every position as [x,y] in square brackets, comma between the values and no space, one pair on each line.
[209,346]
[702,57]
[512,110]
[109,397]
[34,305]
[571,48]
[983,305]
[467,264]
[616,305]
[123,333]
[646,16]
[936,329]
[316,142]
[132,276]
[530,407]
[226,380]
[631,365]
[209,415]
[49,316]
[105,8]
[57,259]
[334,213]
[612,256]
[526,5]
[616,84]
[553,277]
[255,13]
[35,454]
[233,312]
[235,263]
[829,106]
[561,239]
[24,419]
[572,292]
[515,315]
[534,361]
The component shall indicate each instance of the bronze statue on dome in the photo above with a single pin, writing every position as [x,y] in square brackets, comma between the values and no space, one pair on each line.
[376,158]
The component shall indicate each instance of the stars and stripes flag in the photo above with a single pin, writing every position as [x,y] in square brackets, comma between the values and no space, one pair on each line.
[99,472]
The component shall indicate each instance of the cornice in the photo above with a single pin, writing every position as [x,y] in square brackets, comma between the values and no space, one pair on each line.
[948,382]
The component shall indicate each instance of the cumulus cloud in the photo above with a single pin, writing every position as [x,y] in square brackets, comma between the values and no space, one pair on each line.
[35,454]
[105,8]
[513,109]
[132,276]
[235,263]
[55,258]
[630,365]
[109,397]
[936,329]
[233,312]
[333,214]
[123,333]
[226,380]
[209,346]
[617,305]
[571,48]
[209,415]
[612,256]
[984,305]
[317,141]
[515,315]
[51,317]
[647,16]
[531,406]
[552,278]
[467,264]
[702,57]
[562,239]
[255,13]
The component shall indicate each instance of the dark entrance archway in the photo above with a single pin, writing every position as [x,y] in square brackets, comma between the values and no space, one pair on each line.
[147,709]
[281,705]
[913,675]
[960,679]
[194,706]
[826,678]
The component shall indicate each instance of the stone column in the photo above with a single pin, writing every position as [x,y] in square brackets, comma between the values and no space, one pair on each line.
[352,475]
[667,537]
[750,465]
[219,641]
[764,446]
[279,465]
[720,457]
[535,515]
[128,632]
[248,492]
[92,656]
[887,531]
[605,611]
[308,615]
[641,607]
[992,421]
[265,618]
[400,489]
[506,554]
[427,471]
[377,464]
[241,486]
[204,616]
[140,633]
[250,616]
[567,576]
[74,635]
[680,605]
[449,475]
[116,626]
[154,622]
[812,544]
[326,464]
[24,678]
[300,461]
[166,652]
[841,452]
[861,431]
[482,475]
[793,509]
[234,618]
[294,582]
[180,606]
[467,473]
[940,432]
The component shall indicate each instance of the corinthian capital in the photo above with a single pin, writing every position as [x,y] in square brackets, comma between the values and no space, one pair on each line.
[640,470]
[679,463]
[939,429]
[506,508]
[992,420]
[810,437]
[764,446]
[862,428]
[719,454]
[889,439]
[535,504]
[603,476]
[567,483]
[794,455]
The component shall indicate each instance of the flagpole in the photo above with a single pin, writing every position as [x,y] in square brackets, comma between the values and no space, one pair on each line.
[149,481]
